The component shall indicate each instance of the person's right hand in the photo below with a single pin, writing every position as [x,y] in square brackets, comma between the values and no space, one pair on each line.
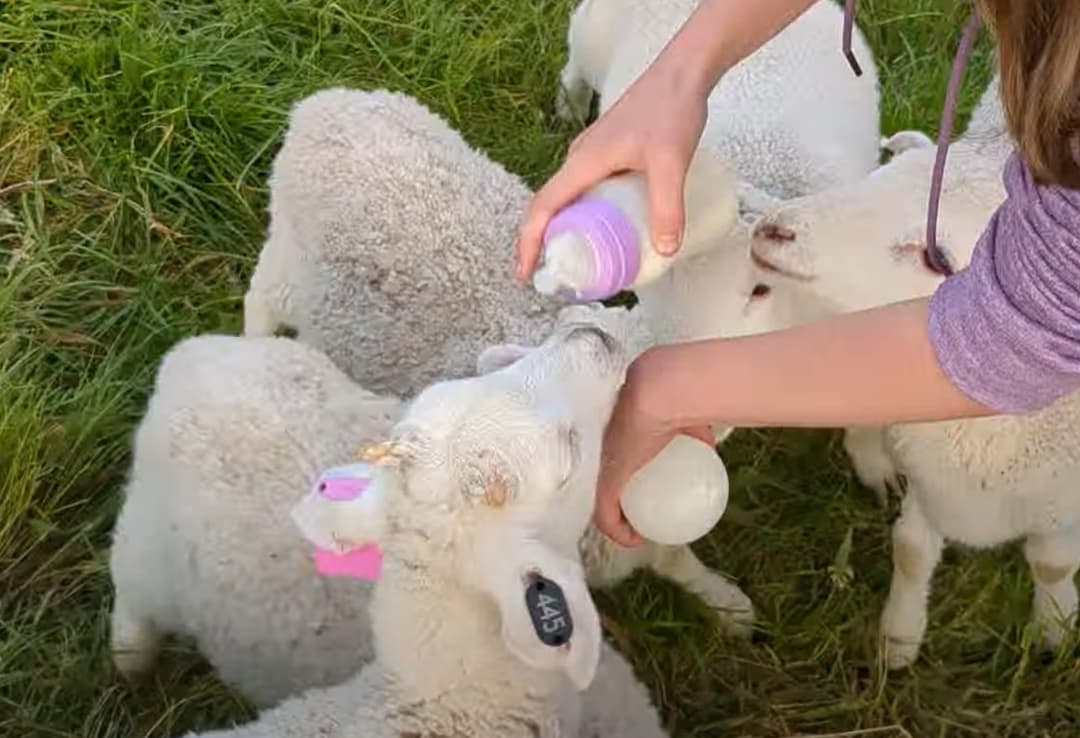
[653,128]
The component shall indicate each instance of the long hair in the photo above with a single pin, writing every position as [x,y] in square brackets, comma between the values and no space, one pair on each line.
[1038,44]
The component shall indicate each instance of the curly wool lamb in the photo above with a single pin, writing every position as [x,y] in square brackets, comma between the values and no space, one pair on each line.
[485,483]
[389,243]
[235,431]
[382,218]
[981,482]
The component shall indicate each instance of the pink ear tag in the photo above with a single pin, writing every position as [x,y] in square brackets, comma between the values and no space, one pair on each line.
[347,484]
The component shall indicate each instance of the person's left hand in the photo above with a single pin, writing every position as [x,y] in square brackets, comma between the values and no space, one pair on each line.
[636,433]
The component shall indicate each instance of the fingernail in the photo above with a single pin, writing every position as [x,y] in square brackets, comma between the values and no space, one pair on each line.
[667,245]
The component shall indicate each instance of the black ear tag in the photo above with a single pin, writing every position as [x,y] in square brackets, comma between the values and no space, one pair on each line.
[549,612]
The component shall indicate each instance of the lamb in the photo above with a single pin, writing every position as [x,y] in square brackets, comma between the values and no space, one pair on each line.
[486,486]
[234,433]
[235,430]
[381,216]
[385,227]
[790,120]
[980,482]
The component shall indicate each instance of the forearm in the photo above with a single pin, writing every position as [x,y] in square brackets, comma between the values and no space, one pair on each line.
[864,369]
[721,33]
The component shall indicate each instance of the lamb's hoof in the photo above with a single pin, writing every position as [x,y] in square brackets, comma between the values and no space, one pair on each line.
[135,643]
[573,107]
[1051,635]
[734,610]
[900,653]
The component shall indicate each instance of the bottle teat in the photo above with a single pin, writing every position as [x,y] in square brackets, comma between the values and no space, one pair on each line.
[591,251]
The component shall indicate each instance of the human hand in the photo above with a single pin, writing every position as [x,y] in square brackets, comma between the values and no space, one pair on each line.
[653,128]
[637,432]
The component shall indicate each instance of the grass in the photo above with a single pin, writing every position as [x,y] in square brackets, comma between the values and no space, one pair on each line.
[135,137]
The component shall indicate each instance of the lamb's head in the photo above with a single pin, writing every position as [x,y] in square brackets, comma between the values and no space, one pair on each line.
[863,244]
[489,484]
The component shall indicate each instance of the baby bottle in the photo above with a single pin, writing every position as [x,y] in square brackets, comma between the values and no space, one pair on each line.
[678,496]
[600,244]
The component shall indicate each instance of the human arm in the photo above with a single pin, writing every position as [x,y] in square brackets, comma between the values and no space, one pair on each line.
[654,127]
[859,369]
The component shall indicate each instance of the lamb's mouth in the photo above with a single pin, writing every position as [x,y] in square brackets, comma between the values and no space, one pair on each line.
[765,265]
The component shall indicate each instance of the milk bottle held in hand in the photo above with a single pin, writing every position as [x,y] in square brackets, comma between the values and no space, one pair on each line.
[601,243]
[678,496]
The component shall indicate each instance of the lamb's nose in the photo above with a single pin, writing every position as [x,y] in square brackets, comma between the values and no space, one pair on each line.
[771,231]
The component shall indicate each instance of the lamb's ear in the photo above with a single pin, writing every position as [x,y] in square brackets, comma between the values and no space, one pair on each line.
[754,204]
[903,140]
[494,358]
[549,620]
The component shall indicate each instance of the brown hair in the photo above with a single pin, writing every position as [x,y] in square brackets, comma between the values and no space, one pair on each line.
[1039,56]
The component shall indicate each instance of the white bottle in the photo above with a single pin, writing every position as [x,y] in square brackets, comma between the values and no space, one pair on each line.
[678,496]
[601,243]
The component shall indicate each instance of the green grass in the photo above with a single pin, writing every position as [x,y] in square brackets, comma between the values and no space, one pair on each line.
[135,137]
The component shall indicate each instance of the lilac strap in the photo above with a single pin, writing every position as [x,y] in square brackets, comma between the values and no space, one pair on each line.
[849,26]
[934,255]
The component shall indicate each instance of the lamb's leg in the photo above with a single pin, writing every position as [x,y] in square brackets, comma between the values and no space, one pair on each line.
[734,609]
[267,303]
[134,639]
[575,95]
[607,563]
[1054,560]
[916,552]
[873,465]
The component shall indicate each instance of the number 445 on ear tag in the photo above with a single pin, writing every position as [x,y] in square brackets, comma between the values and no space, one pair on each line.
[549,612]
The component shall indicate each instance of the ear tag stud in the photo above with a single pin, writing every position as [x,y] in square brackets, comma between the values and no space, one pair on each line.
[549,612]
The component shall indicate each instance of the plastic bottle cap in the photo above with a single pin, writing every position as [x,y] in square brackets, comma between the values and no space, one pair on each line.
[609,238]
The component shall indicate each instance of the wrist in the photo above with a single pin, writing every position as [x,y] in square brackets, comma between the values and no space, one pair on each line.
[698,55]
[656,398]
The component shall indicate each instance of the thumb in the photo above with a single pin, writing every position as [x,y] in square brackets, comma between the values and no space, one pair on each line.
[666,179]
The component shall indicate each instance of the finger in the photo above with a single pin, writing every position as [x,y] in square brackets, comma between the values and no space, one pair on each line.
[608,514]
[612,523]
[666,175]
[577,174]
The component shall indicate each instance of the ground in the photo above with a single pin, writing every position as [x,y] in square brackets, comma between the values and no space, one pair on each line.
[135,137]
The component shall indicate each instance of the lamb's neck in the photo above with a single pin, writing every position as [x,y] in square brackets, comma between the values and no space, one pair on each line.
[447,667]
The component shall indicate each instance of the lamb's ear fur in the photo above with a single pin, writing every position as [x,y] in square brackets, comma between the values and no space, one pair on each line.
[754,204]
[510,562]
[903,140]
[498,357]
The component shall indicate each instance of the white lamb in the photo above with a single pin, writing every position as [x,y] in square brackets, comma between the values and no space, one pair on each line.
[384,224]
[790,120]
[975,482]
[486,482]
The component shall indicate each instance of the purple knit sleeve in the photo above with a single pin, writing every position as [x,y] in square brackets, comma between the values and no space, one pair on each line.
[1006,329]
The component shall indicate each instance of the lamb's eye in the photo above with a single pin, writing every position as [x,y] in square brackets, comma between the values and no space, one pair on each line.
[937,262]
